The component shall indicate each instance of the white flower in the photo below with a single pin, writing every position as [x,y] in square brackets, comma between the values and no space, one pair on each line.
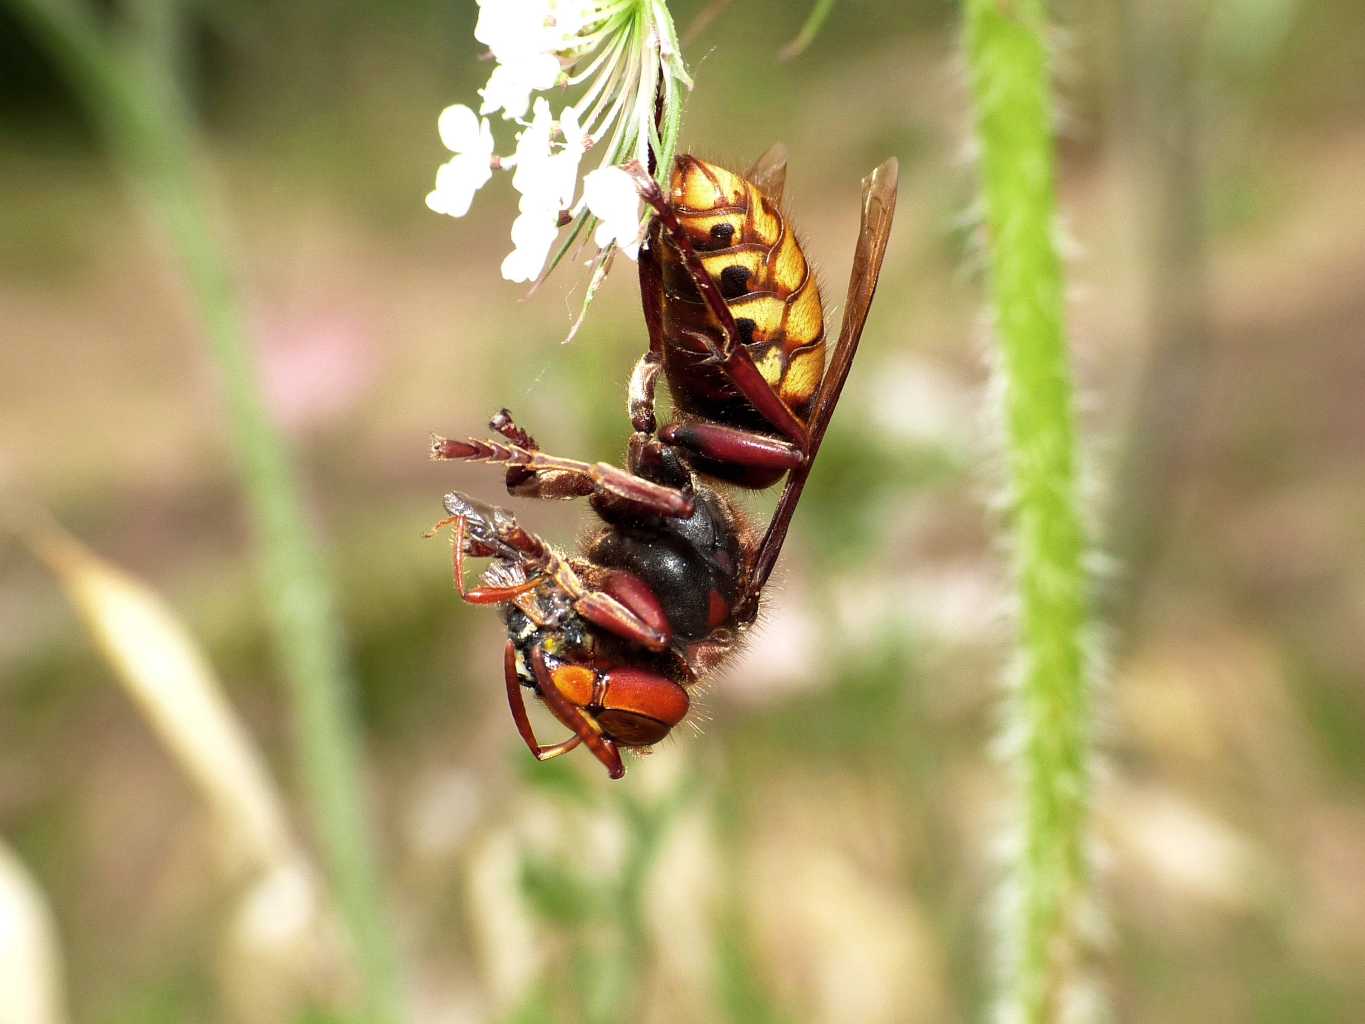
[471,140]
[533,152]
[533,232]
[510,85]
[512,28]
[611,196]
[504,25]
[461,130]
[544,174]
[618,66]
[562,174]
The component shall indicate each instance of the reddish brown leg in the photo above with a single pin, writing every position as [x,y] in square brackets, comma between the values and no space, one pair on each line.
[601,476]
[497,533]
[733,445]
[608,612]
[640,401]
[518,478]
[480,595]
[503,423]
[519,716]
[734,360]
[575,718]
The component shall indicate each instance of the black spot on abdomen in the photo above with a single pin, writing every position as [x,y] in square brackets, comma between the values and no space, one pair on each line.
[734,282]
[722,235]
[746,328]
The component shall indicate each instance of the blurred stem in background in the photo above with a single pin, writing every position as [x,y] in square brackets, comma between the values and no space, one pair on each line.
[1160,128]
[1048,719]
[127,78]
[602,917]
[815,21]
[1177,129]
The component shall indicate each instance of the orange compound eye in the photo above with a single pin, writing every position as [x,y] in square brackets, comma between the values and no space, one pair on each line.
[639,708]
[576,683]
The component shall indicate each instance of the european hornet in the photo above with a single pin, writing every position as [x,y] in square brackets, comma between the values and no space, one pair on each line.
[612,638]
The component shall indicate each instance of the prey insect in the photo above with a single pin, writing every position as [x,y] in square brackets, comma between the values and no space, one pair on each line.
[612,639]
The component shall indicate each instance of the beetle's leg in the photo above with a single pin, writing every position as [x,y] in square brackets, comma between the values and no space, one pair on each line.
[734,360]
[582,723]
[595,477]
[519,716]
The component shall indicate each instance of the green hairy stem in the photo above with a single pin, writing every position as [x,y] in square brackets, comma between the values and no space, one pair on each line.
[1049,717]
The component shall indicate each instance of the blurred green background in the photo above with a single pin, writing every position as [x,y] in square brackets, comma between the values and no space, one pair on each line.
[825,849]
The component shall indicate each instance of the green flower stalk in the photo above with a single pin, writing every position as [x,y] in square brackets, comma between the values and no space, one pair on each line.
[1049,718]
[134,99]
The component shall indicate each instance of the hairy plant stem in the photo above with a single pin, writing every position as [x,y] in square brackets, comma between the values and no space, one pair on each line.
[134,98]
[1050,708]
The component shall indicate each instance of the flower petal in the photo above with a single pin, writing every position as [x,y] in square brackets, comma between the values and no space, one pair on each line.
[533,232]
[458,126]
[510,85]
[533,152]
[456,182]
[610,195]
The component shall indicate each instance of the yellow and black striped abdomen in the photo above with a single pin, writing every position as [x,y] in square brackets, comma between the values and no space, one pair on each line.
[748,249]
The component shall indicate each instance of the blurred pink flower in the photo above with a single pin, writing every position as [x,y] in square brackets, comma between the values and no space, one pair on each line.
[315,366]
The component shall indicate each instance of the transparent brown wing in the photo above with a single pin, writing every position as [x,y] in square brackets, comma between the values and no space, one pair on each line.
[769,172]
[879,207]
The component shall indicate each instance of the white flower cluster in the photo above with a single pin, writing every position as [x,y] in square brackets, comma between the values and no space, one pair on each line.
[623,56]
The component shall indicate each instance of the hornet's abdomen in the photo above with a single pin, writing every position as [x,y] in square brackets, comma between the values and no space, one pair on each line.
[748,249]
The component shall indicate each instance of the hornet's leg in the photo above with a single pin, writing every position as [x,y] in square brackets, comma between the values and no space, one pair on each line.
[582,723]
[519,716]
[767,456]
[459,546]
[596,477]
[486,531]
[561,483]
[519,479]
[763,453]
[640,394]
